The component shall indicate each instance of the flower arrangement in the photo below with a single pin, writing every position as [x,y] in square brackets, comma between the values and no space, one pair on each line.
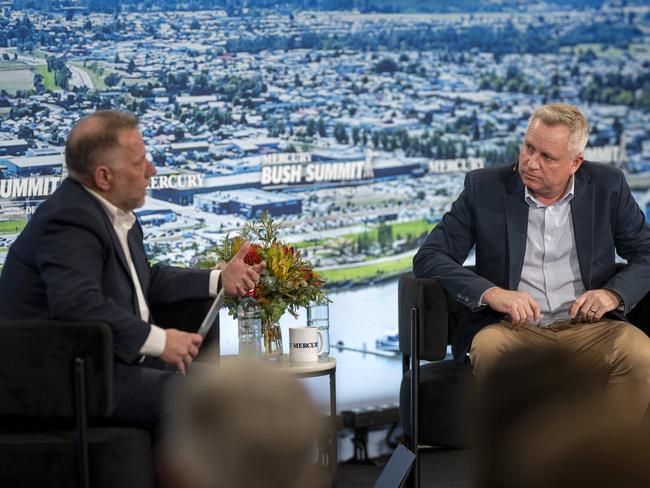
[287,283]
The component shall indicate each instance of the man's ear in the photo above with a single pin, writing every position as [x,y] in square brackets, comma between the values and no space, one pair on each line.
[102,177]
[577,162]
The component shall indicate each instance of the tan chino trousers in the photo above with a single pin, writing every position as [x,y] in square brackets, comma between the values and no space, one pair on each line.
[615,348]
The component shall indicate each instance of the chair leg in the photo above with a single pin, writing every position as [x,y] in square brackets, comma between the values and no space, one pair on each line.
[82,423]
[415,388]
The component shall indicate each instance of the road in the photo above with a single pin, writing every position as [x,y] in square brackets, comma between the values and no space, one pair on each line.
[80,77]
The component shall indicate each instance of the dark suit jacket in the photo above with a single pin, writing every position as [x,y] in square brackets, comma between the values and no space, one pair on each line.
[67,264]
[492,214]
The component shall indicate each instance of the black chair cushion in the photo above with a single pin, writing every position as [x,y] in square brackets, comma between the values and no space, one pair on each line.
[447,390]
[118,457]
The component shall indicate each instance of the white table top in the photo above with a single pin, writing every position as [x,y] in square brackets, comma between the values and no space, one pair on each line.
[322,366]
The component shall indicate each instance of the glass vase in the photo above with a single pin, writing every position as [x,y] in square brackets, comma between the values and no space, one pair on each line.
[271,340]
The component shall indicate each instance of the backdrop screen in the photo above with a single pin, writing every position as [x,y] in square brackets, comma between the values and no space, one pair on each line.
[353,122]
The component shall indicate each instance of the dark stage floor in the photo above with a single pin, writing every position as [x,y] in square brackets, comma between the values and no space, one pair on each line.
[439,469]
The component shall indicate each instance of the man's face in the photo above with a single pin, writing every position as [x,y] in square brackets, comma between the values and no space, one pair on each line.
[546,163]
[130,170]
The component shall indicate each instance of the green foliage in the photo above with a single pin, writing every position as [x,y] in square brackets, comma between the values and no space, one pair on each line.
[385,236]
[340,134]
[386,65]
[615,88]
[534,39]
[112,79]
[288,281]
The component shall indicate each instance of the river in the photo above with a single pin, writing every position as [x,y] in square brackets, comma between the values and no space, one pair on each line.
[357,317]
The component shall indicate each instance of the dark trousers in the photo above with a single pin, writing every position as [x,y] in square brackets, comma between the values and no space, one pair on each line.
[141,397]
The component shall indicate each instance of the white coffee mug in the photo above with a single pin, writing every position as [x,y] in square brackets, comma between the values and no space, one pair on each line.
[305,343]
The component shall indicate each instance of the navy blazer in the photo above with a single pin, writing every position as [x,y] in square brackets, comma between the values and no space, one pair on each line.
[68,264]
[491,214]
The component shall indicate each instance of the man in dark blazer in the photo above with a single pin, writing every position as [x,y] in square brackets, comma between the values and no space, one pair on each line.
[546,231]
[81,257]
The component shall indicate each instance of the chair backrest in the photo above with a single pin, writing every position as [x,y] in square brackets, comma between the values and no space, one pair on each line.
[432,305]
[437,315]
[37,368]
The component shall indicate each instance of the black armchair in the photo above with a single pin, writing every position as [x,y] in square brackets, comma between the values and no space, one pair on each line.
[435,412]
[55,376]
[56,381]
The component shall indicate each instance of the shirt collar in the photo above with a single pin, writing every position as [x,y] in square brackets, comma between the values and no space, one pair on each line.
[533,202]
[118,217]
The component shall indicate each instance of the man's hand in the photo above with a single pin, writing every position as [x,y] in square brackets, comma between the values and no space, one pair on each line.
[519,305]
[180,348]
[593,304]
[238,277]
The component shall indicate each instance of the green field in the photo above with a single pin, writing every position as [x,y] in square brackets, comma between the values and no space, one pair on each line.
[12,226]
[401,229]
[373,269]
[367,271]
[48,77]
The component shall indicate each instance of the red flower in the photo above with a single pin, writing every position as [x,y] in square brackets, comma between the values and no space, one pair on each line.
[252,257]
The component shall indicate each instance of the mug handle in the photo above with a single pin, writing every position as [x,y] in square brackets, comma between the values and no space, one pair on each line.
[321,342]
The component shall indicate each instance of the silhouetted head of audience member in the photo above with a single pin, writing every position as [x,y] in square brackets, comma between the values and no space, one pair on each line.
[245,424]
[545,422]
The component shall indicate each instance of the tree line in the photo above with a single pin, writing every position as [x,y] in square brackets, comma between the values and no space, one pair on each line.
[499,40]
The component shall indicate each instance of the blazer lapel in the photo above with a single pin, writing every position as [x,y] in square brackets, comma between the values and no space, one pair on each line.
[139,258]
[582,215]
[516,212]
[111,232]
[120,252]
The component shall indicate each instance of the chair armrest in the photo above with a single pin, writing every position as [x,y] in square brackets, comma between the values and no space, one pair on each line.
[37,367]
[640,315]
[430,300]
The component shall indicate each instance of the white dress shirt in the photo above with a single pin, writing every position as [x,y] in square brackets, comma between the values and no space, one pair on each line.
[551,271]
[122,222]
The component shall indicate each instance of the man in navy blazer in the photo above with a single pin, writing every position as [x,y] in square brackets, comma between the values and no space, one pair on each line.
[546,231]
[81,257]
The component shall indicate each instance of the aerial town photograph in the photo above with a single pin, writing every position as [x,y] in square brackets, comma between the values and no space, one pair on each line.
[353,122]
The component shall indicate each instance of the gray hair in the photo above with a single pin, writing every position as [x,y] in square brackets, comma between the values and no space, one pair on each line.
[92,137]
[564,114]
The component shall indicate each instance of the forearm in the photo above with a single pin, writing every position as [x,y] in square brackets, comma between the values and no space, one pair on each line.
[461,283]
[129,332]
[170,284]
[632,241]
[441,258]
[631,284]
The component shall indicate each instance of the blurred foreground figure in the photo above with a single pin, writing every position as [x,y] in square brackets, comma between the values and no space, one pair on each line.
[246,424]
[556,429]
